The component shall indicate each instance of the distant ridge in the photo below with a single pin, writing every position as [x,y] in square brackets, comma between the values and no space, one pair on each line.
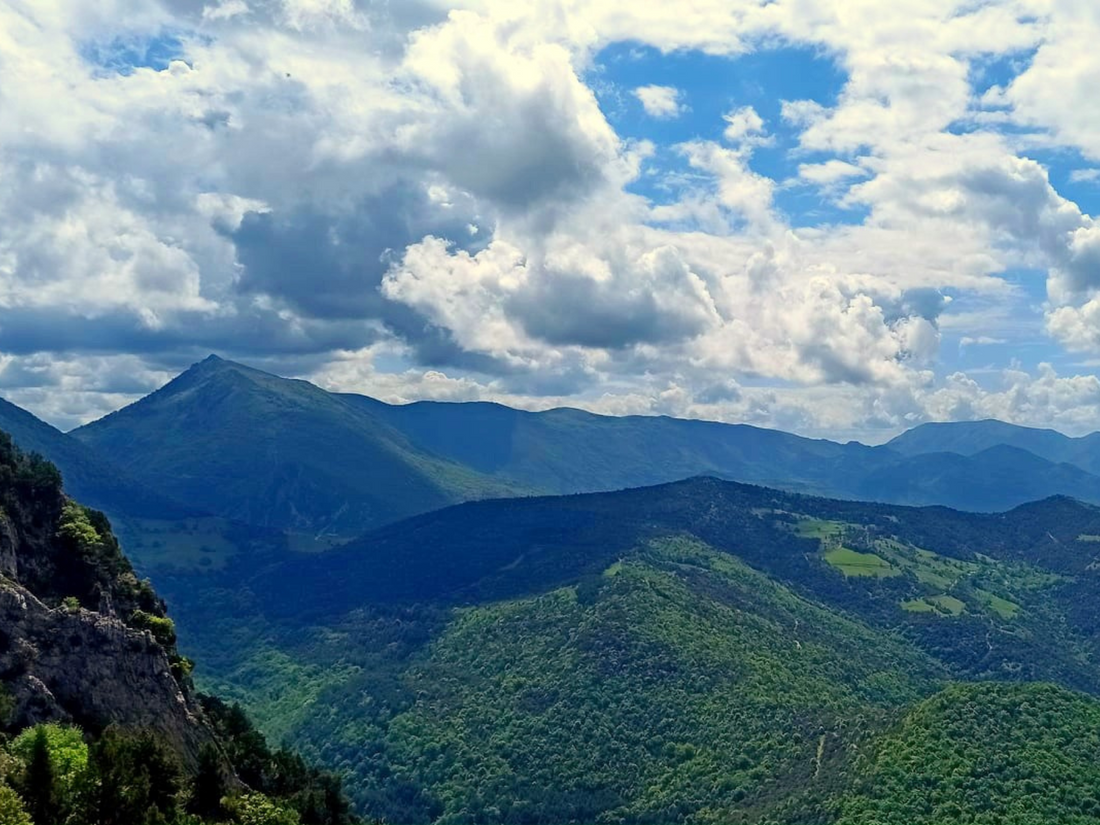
[281,453]
[971,437]
[276,452]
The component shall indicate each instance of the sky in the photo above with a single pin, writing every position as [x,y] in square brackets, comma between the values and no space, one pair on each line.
[838,219]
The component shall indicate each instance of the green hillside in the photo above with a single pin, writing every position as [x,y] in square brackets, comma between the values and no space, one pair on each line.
[699,651]
[678,685]
[88,476]
[262,450]
[990,754]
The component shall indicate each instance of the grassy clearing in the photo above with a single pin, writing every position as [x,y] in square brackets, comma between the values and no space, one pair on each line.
[188,544]
[853,563]
[917,606]
[823,530]
[948,604]
[1002,607]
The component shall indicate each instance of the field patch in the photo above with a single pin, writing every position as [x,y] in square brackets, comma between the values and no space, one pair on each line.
[189,544]
[819,529]
[1002,607]
[917,606]
[948,604]
[853,563]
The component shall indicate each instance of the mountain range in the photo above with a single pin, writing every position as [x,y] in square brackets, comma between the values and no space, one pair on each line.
[231,441]
[481,614]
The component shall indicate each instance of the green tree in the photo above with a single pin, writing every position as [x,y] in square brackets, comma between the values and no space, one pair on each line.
[38,783]
[208,786]
[257,809]
[12,810]
[68,759]
[138,779]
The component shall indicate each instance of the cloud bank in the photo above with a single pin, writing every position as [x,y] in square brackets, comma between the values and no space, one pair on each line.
[448,200]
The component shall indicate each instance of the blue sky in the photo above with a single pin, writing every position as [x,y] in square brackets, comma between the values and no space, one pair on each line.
[841,219]
[710,86]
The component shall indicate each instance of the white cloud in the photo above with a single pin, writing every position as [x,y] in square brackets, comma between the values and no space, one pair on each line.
[743,126]
[309,173]
[1056,91]
[662,102]
[980,340]
[830,172]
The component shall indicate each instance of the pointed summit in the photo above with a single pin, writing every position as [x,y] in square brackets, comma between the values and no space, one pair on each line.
[210,363]
[276,452]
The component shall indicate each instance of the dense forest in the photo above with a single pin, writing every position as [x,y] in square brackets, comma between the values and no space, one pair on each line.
[701,651]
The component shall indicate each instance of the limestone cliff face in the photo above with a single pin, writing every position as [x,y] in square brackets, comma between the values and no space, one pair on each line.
[81,638]
[74,665]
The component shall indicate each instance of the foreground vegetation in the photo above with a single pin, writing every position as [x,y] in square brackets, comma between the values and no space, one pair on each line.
[72,587]
[989,754]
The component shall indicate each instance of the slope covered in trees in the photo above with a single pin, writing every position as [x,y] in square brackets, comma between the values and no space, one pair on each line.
[498,661]
[990,754]
[266,451]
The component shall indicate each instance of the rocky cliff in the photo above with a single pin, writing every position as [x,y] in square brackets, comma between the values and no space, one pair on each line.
[81,638]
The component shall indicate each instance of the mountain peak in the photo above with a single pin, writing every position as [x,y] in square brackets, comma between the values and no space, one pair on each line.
[210,362]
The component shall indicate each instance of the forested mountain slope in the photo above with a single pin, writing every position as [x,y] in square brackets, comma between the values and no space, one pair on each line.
[89,476]
[270,452]
[983,753]
[528,639]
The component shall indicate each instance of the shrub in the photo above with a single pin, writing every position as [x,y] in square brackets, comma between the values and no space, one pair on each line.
[162,628]
[12,810]
[257,809]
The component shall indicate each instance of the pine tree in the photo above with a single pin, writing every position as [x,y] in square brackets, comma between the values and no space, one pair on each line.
[38,784]
[208,787]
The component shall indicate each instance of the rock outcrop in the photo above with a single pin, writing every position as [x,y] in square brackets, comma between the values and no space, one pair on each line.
[73,665]
[81,638]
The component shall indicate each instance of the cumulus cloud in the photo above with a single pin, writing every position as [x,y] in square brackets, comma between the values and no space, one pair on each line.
[744,125]
[306,183]
[662,102]
[830,172]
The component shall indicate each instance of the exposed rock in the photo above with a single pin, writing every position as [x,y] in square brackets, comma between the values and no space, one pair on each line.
[74,665]
[82,640]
